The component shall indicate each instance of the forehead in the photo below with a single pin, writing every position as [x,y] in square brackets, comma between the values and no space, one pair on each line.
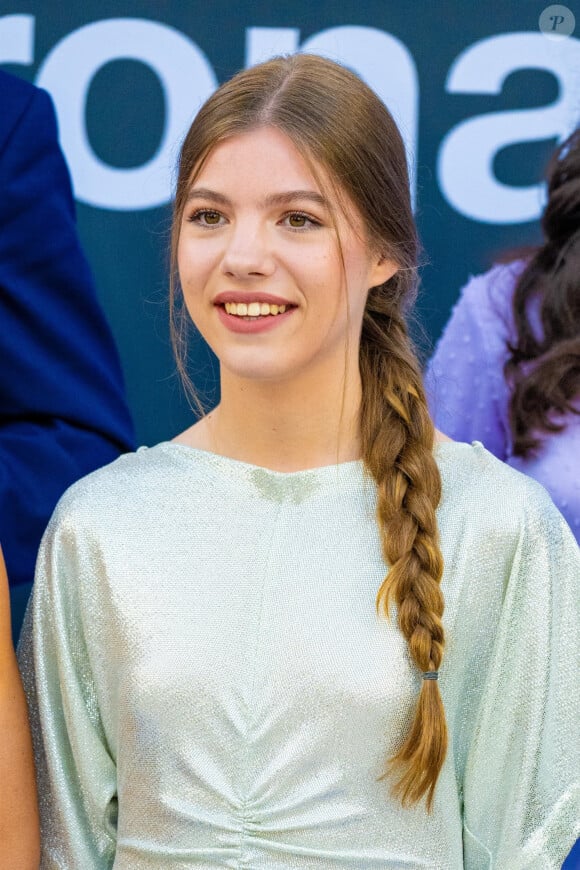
[265,158]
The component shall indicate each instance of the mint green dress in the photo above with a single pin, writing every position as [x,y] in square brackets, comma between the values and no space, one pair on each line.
[211,686]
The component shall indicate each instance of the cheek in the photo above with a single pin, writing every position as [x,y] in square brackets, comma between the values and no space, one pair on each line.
[183,264]
[324,275]
[192,268]
[357,294]
[358,270]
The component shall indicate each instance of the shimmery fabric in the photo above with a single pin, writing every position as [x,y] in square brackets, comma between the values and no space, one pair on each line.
[469,397]
[214,688]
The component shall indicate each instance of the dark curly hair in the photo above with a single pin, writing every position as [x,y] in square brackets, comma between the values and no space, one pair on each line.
[544,369]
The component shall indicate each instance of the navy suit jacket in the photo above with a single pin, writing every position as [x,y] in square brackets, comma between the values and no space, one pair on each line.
[62,407]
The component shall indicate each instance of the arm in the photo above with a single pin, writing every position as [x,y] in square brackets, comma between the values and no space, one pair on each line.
[19,832]
[77,774]
[62,407]
[521,783]
[468,396]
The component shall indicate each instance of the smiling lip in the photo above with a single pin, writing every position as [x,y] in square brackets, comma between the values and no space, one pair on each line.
[259,324]
[247,297]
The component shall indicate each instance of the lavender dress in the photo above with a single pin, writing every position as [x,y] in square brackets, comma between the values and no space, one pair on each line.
[469,397]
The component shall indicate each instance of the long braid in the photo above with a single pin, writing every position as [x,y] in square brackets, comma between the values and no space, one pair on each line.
[364,156]
[397,445]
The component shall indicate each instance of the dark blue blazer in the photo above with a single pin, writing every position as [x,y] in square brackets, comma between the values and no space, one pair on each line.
[62,407]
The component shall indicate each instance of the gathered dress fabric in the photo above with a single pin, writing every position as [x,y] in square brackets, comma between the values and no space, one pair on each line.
[210,684]
[469,397]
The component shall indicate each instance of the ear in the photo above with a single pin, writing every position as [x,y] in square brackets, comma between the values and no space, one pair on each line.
[381,270]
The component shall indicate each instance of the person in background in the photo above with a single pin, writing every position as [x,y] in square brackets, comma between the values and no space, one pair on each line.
[63,411]
[506,370]
[213,676]
[19,827]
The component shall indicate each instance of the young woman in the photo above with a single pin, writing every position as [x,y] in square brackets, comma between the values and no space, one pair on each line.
[507,368]
[216,687]
[19,833]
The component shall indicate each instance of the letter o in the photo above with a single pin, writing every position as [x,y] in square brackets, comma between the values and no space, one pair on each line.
[187,79]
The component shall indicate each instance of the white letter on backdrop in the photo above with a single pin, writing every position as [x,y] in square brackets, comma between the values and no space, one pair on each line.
[465,164]
[17,39]
[187,79]
[262,43]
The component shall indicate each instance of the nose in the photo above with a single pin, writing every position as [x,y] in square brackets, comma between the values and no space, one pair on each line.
[248,253]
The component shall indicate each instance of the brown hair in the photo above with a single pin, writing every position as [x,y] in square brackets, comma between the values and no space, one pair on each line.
[544,370]
[338,123]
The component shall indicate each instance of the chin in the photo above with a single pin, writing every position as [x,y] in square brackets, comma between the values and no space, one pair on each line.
[263,374]
[257,369]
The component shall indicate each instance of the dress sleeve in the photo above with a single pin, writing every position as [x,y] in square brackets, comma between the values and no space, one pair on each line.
[521,782]
[467,393]
[75,768]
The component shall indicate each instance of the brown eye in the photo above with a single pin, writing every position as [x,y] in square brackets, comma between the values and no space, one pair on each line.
[297,220]
[206,217]
[211,218]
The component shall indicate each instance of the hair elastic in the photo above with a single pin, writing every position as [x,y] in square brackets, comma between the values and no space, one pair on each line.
[431,675]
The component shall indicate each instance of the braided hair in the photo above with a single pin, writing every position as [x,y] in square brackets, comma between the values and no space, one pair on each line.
[339,124]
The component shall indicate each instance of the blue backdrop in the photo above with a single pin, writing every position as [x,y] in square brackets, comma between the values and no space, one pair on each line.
[482,93]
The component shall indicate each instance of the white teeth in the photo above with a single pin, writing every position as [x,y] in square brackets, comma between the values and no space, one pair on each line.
[253,309]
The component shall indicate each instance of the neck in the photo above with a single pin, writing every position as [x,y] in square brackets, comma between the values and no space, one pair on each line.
[286,426]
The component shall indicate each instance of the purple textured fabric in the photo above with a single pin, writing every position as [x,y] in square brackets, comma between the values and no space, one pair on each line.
[469,397]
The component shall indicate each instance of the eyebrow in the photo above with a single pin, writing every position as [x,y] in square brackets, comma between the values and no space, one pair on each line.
[273,199]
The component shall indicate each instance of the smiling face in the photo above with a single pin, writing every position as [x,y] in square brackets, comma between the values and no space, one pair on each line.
[260,262]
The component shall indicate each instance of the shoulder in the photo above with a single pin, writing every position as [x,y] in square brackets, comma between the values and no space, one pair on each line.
[505,546]
[19,98]
[136,484]
[489,497]
[497,281]
[481,320]
[491,293]
[15,93]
